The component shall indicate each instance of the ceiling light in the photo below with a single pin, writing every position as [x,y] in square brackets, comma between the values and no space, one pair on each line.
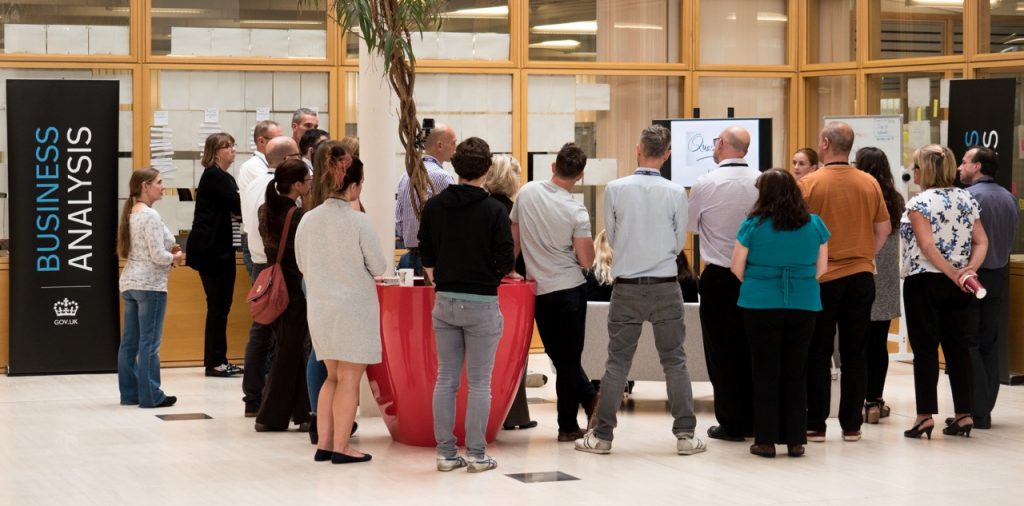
[946,3]
[637,26]
[280,22]
[575,27]
[161,10]
[565,44]
[763,16]
[498,12]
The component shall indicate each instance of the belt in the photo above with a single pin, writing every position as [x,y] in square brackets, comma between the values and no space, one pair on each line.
[646,280]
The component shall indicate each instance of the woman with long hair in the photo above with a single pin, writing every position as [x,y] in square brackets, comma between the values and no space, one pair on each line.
[805,161]
[944,244]
[210,249]
[887,284]
[148,246]
[339,254]
[781,251]
[285,396]
[599,277]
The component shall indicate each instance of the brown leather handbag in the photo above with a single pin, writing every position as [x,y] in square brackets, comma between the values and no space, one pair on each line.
[268,297]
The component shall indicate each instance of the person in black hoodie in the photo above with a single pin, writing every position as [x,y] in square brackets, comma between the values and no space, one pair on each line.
[466,247]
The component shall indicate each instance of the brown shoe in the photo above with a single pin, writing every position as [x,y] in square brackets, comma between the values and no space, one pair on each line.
[795,450]
[565,437]
[763,450]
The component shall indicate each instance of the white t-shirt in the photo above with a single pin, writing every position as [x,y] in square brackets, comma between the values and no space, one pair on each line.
[549,219]
[253,196]
[251,169]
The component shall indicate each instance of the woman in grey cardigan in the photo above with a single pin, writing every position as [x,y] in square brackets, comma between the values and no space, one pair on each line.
[338,253]
[887,285]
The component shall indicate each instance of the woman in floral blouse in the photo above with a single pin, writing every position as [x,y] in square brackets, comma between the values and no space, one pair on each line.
[943,243]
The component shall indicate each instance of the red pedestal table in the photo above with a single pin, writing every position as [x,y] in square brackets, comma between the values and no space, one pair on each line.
[403,383]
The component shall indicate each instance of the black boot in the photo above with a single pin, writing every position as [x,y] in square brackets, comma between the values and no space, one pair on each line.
[313,437]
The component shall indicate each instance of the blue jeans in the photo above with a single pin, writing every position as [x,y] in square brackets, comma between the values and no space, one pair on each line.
[138,358]
[411,260]
[316,374]
[247,259]
[465,331]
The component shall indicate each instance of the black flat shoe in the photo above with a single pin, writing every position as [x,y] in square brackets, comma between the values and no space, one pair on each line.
[322,455]
[166,403]
[983,422]
[795,450]
[918,429]
[719,432]
[341,458]
[955,429]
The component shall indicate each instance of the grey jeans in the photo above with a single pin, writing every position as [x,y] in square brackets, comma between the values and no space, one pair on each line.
[631,305]
[465,331]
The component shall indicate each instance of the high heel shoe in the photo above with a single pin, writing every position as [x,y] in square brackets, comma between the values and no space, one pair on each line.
[916,431]
[955,429]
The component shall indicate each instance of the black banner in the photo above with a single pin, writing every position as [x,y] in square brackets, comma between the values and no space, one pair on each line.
[981,113]
[62,138]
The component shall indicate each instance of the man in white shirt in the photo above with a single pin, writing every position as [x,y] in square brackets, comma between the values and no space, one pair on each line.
[253,168]
[553,231]
[719,202]
[261,339]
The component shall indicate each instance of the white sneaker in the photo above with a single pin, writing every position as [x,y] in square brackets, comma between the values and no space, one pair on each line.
[590,443]
[689,445]
[445,464]
[481,464]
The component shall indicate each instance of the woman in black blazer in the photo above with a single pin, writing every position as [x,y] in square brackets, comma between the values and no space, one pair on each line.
[210,248]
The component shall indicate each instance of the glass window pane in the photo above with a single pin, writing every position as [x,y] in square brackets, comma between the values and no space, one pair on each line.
[604,115]
[1000,26]
[915,95]
[827,96]
[752,97]
[831,31]
[239,100]
[238,28]
[915,28]
[470,30]
[1018,158]
[605,30]
[93,27]
[124,127]
[743,32]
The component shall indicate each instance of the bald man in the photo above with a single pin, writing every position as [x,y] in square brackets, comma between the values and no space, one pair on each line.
[850,203]
[719,202]
[261,340]
[438,148]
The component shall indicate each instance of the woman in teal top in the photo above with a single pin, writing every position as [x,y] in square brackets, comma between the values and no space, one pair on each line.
[781,250]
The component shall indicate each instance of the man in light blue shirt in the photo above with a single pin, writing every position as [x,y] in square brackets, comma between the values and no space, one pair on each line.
[645,222]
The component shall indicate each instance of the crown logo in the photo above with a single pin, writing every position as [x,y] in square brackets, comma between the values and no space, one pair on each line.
[65,307]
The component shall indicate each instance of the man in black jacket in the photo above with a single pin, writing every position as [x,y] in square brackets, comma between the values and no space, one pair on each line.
[466,247]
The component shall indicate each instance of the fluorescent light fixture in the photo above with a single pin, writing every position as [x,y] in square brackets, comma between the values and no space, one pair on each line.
[574,27]
[498,12]
[946,3]
[280,22]
[637,26]
[565,44]
[763,16]
[162,11]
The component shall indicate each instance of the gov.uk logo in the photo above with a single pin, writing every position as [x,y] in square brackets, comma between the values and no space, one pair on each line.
[66,310]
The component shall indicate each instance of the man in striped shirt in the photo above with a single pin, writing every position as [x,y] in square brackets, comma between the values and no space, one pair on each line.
[438,148]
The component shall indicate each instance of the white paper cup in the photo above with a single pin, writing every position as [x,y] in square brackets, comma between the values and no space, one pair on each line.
[405,277]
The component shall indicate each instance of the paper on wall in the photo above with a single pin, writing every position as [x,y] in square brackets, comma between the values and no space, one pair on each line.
[108,40]
[593,97]
[919,92]
[491,46]
[307,43]
[424,46]
[548,132]
[189,41]
[230,41]
[920,134]
[268,42]
[262,114]
[600,171]
[455,46]
[67,39]
[24,38]
[551,94]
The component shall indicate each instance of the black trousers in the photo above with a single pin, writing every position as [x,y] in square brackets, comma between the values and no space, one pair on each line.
[983,316]
[937,314]
[285,396]
[726,350]
[257,352]
[219,285]
[561,321]
[876,356]
[519,413]
[778,354]
[846,304]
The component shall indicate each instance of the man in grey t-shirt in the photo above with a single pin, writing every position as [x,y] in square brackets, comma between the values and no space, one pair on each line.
[553,231]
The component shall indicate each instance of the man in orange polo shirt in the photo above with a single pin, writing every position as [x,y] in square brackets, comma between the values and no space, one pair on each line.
[851,204]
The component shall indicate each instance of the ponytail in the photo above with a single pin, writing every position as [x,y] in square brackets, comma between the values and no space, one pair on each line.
[124,236]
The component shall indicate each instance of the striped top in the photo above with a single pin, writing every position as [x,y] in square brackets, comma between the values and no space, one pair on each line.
[405,217]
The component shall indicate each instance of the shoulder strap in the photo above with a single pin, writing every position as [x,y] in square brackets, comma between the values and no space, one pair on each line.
[284,234]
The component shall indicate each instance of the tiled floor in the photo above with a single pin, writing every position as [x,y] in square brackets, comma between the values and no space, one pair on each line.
[65,440]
